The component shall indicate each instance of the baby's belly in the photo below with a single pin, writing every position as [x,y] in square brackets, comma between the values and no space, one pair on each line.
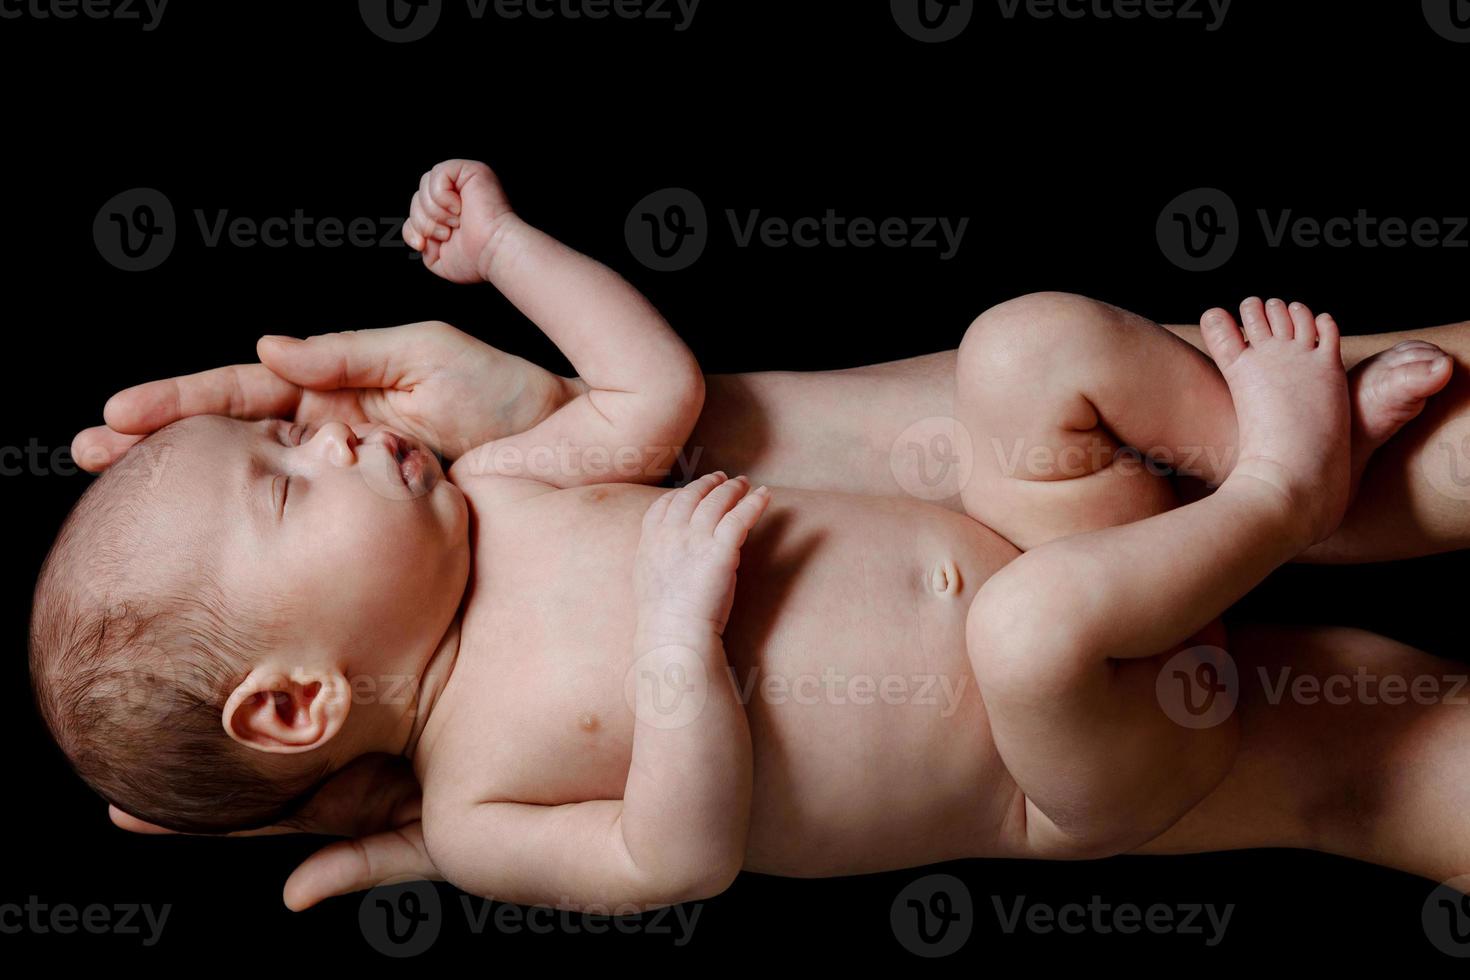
[872,747]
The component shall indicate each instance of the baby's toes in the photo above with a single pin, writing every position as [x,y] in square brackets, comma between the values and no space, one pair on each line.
[1303,324]
[1222,337]
[1254,321]
[1390,389]
[1418,369]
[1279,317]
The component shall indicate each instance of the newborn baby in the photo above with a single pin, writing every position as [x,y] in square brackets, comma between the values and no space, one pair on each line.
[593,714]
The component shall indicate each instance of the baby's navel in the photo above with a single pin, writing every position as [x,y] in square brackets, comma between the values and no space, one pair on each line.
[588,722]
[944,578]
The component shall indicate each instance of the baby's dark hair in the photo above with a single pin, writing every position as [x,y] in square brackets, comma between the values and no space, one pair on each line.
[131,667]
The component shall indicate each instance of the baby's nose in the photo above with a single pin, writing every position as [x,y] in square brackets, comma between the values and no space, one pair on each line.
[337,442]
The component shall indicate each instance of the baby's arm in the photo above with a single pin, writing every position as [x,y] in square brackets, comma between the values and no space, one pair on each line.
[678,834]
[641,389]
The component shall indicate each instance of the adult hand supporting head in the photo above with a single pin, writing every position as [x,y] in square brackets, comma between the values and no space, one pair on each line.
[375,802]
[427,380]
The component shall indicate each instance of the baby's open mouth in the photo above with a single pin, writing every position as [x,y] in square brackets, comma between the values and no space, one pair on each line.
[416,466]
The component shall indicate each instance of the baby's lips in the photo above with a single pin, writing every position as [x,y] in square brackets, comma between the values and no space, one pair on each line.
[401,467]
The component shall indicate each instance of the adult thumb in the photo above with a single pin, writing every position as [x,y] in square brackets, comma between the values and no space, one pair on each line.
[357,865]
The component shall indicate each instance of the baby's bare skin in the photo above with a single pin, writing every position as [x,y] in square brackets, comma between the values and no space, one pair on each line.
[530,754]
[830,583]
[836,590]
[844,600]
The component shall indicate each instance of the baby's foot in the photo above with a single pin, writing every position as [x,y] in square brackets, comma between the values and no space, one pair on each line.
[1389,390]
[1291,403]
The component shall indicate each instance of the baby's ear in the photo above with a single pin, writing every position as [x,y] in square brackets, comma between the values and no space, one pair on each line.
[288,712]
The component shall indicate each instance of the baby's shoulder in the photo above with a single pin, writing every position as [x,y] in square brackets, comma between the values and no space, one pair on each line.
[477,483]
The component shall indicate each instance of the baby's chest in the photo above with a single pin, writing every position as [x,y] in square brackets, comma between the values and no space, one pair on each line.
[538,713]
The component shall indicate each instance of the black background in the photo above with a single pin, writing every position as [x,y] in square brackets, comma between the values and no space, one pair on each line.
[1061,140]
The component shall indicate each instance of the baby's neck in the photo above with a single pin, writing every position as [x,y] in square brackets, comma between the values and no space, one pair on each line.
[429,686]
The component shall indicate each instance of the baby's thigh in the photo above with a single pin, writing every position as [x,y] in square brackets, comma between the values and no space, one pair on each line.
[1029,376]
[1108,753]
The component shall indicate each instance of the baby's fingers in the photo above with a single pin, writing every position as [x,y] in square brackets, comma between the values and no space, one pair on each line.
[721,500]
[439,186]
[654,516]
[681,507]
[423,223]
[734,526]
[435,200]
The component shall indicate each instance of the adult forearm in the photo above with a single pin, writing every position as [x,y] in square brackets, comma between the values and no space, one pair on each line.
[822,430]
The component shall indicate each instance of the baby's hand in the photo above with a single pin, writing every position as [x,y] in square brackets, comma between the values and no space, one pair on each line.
[453,217]
[685,572]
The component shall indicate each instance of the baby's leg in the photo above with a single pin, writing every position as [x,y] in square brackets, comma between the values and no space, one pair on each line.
[1068,641]
[1053,387]
[1350,743]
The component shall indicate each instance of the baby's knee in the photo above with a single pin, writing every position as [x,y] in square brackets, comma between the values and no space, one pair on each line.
[1034,331]
[1023,643]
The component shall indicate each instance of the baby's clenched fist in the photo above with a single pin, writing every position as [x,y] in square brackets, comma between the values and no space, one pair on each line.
[454,216]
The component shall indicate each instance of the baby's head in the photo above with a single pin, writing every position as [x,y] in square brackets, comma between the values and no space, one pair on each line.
[214,596]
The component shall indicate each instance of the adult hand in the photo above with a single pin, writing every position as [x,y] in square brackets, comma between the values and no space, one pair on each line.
[374,801]
[428,380]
